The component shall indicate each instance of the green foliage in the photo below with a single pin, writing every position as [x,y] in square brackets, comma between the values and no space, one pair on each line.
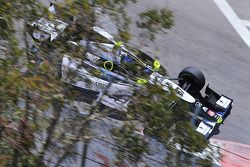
[33,100]
[125,35]
[165,117]
[132,146]
[155,20]
[29,9]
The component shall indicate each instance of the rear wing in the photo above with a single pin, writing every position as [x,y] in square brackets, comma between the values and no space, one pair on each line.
[51,27]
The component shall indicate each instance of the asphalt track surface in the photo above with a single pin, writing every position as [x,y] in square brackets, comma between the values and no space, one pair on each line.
[203,37]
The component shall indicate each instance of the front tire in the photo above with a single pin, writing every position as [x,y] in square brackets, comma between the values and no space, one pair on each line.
[194,77]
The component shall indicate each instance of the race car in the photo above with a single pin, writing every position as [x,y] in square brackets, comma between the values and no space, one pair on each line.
[115,72]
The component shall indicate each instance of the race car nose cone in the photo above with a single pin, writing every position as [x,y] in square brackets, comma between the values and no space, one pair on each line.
[187,97]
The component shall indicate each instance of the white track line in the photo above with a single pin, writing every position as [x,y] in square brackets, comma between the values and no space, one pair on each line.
[246,23]
[234,20]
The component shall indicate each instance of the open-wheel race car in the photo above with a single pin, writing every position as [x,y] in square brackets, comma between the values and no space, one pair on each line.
[114,72]
[110,67]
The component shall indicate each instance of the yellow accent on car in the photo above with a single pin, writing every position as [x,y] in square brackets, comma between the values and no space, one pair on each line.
[118,44]
[219,120]
[111,65]
[157,65]
[142,81]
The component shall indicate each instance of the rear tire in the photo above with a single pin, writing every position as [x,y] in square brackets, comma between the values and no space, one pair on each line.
[194,77]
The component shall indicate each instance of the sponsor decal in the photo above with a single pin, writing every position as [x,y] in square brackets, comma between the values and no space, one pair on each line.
[99,84]
[211,113]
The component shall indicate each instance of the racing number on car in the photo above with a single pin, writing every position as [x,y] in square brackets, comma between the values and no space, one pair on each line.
[198,104]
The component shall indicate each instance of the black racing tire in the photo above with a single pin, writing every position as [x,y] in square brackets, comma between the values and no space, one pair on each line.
[194,77]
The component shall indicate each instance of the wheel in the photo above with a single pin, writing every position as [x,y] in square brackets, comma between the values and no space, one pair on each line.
[192,76]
